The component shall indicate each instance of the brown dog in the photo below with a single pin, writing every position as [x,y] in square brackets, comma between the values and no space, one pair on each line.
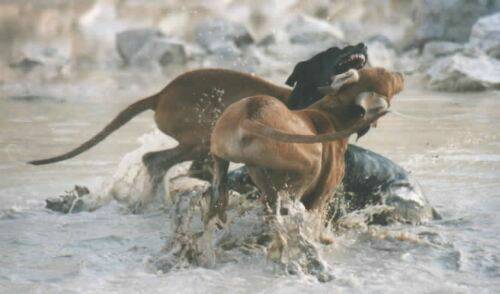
[261,132]
[185,109]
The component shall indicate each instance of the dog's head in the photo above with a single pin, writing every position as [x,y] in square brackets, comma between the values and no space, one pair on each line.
[362,94]
[355,100]
[316,72]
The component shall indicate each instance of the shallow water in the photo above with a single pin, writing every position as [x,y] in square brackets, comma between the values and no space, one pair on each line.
[451,145]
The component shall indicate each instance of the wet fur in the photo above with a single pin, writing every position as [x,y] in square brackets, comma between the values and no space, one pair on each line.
[186,109]
[310,172]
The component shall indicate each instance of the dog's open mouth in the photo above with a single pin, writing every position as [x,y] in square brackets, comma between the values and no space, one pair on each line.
[354,61]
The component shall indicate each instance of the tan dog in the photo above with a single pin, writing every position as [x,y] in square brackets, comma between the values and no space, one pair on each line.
[261,132]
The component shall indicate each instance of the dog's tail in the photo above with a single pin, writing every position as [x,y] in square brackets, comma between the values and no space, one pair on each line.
[260,129]
[122,118]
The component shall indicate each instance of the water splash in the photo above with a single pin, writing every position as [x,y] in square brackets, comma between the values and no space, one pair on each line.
[287,244]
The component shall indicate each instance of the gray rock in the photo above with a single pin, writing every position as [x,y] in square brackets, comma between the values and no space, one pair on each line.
[129,43]
[409,62]
[160,51]
[409,203]
[381,55]
[147,48]
[39,60]
[305,30]
[216,33]
[372,181]
[441,48]
[401,201]
[413,61]
[460,72]
[486,35]
[267,40]
[448,20]
[71,202]
[26,64]
[379,38]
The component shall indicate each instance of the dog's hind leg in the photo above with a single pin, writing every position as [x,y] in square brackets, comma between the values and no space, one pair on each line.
[159,162]
[201,168]
[219,196]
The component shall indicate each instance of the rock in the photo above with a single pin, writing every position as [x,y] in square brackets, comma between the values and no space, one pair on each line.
[160,51]
[227,55]
[447,20]
[215,34]
[409,203]
[38,60]
[129,43]
[26,64]
[486,35]
[441,48]
[381,39]
[354,31]
[374,180]
[228,44]
[305,30]
[71,202]
[460,72]
[409,62]
[267,40]
[380,55]
[149,47]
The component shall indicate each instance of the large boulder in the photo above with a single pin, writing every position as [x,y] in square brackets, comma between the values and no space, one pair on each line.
[304,30]
[149,47]
[129,42]
[160,51]
[485,35]
[226,44]
[461,72]
[448,20]
[373,180]
[215,34]
[436,49]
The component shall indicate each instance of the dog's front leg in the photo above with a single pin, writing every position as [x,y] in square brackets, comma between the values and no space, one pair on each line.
[219,196]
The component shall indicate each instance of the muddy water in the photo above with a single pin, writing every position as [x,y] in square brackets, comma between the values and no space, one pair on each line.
[450,142]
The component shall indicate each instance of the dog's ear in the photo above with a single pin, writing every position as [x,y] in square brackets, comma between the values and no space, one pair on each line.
[350,115]
[297,74]
[340,80]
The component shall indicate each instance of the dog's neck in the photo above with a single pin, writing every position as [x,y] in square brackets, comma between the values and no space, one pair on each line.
[333,110]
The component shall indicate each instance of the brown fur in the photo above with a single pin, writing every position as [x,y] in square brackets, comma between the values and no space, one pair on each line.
[309,172]
[186,109]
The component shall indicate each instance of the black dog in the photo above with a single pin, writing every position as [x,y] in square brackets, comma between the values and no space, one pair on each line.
[309,75]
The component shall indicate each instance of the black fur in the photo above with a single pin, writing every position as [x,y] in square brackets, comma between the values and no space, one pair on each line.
[317,71]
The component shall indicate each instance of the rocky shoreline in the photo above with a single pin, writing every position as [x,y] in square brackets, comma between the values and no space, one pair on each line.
[435,42]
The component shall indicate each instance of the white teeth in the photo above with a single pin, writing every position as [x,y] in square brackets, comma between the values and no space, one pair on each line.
[354,57]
